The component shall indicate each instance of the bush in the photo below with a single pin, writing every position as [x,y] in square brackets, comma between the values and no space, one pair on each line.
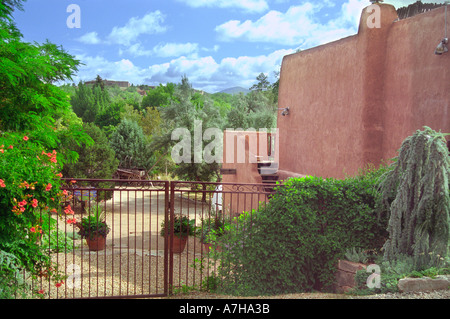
[293,243]
[10,284]
[29,192]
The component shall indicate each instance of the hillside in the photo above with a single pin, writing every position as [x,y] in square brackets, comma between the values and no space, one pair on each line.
[235,90]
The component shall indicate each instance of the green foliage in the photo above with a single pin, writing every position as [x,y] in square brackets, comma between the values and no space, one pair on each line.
[29,193]
[292,244]
[159,96]
[262,85]
[95,161]
[36,121]
[89,102]
[254,110]
[94,224]
[111,114]
[356,255]
[11,284]
[392,271]
[416,195]
[183,113]
[28,99]
[182,226]
[131,147]
[212,228]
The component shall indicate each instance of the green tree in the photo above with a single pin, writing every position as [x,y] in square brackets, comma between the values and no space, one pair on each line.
[253,110]
[416,195]
[36,120]
[28,97]
[159,96]
[131,146]
[263,83]
[83,103]
[95,161]
[90,101]
[183,113]
[111,114]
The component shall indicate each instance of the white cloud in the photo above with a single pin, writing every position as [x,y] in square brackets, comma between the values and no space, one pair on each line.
[123,69]
[90,38]
[167,50]
[247,5]
[151,23]
[298,26]
[175,49]
[204,73]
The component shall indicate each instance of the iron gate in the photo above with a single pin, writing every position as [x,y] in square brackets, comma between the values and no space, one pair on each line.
[140,258]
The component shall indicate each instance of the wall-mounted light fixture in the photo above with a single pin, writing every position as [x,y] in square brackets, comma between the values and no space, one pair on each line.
[284,111]
[442,46]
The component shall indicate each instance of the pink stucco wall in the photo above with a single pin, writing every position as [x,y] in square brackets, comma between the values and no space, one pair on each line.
[353,101]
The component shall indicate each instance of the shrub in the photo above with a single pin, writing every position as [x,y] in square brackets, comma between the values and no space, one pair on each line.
[293,243]
[29,192]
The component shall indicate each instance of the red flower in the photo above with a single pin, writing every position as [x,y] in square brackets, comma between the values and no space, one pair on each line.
[69,210]
[34,202]
[49,187]
[71,221]
[25,138]
[32,229]
[2,183]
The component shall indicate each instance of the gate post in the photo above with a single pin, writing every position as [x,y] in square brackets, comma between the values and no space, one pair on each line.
[168,241]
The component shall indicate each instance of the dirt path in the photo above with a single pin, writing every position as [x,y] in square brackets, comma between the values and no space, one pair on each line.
[135,218]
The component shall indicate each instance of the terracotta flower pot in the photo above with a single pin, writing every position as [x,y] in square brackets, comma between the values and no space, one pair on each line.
[179,243]
[96,243]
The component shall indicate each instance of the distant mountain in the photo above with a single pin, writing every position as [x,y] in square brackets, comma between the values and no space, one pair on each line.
[235,90]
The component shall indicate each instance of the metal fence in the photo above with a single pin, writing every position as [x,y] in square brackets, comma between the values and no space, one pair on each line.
[139,259]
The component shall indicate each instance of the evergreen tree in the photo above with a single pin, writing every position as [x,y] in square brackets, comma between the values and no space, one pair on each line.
[88,102]
[95,161]
[262,85]
[131,146]
[83,103]
[416,195]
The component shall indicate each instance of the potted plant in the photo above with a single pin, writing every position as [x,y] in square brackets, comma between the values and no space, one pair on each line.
[210,231]
[94,229]
[182,228]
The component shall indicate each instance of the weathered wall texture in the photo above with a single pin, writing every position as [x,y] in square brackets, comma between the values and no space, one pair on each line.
[353,101]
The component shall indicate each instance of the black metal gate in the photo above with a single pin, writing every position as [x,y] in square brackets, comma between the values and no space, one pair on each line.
[140,257]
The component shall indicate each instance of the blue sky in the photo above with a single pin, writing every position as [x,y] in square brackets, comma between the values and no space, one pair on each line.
[217,44]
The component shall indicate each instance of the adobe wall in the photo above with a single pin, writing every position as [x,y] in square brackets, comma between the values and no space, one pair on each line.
[240,152]
[354,101]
